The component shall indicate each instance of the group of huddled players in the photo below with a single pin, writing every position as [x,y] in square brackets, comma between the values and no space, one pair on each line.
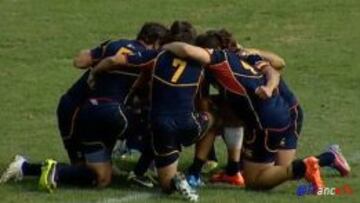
[154,93]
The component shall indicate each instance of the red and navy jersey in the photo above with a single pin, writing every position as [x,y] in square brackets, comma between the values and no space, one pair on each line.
[175,81]
[115,85]
[241,78]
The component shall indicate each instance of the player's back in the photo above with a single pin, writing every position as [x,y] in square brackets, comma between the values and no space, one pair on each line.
[234,74]
[115,84]
[242,78]
[174,84]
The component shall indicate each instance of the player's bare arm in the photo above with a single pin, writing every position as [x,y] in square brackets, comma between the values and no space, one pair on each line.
[107,64]
[83,59]
[273,79]
[185,50]
[275,60]
[110,63]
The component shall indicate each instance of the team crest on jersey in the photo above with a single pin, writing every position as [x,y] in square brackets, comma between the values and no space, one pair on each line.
[282,142]
[130,46]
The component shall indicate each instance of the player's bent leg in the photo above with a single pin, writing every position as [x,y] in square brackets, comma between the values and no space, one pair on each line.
[202,149]
[284,157]
[103,173]
[233,137]
[204,144]
[138,175]
[167,169]
[260,170]
[99,161]
[264,175]
[288,145]
[67,113]
[231,174]
[170,179]
[54,174]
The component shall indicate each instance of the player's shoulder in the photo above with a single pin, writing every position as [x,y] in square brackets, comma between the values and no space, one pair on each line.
[121,43]
[219,56]
[168,55]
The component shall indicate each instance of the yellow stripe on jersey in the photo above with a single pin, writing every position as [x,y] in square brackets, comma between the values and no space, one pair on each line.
[249,68]
[174,85]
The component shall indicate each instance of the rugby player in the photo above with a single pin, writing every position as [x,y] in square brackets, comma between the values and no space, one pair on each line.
[174,122]
[231,127]
[91,117]
[287,149]
[263,104]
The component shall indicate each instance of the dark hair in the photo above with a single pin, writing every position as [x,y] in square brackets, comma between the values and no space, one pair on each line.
[217,39]
[208,39]
[182,31]
[151,32]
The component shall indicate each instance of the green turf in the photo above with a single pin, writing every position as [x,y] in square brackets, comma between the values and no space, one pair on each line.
[38,38]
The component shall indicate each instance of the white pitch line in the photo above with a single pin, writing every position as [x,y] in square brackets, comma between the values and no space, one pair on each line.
[128,198]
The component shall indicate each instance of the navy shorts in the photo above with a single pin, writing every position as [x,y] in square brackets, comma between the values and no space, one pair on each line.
[261,145]
[137,134]
[67,111]
[171,132]
[94,128]
[291,139]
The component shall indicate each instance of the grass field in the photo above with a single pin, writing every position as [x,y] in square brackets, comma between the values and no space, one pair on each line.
[38,38]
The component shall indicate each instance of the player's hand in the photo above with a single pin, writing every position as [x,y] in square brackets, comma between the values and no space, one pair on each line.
[264,92]
[91,80]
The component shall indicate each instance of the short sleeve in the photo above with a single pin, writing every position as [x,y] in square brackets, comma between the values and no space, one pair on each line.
[142,58]
[98,52]
[217,56]
[256,61]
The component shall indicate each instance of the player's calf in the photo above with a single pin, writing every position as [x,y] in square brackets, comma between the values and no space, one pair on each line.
[264,176]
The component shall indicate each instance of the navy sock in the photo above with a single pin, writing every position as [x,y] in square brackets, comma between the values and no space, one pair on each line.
[74,175]
[232,168]
[298,169]
[196,166]
[326,159]
[241,164]
[144,162]
[29,169]
[212,154]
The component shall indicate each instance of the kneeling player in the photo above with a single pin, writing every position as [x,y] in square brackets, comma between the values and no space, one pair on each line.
[90,119]
[174,122]
[287,148]
[264,111]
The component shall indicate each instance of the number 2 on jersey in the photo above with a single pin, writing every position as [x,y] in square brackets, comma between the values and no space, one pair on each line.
[180,67]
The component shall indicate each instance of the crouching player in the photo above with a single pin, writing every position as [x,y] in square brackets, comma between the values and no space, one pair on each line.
[90,119]
[285,153]
[174,122]
[264,110]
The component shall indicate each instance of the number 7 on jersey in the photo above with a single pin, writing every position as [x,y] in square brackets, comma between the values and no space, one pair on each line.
[180,67]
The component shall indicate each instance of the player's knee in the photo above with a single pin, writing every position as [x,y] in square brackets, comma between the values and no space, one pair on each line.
[103,179]
[162,161]
[103,174]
